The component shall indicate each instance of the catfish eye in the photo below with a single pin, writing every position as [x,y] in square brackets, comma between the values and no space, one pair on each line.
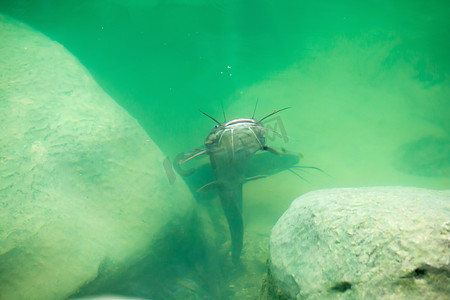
[217,126]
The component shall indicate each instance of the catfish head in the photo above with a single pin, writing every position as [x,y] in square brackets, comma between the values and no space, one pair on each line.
[233,143]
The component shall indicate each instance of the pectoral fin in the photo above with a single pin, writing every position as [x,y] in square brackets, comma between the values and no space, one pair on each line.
[270,149]
[255,177]
[193,156]
[207,186]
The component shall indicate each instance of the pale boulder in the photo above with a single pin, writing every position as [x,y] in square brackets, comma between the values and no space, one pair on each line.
[82,186]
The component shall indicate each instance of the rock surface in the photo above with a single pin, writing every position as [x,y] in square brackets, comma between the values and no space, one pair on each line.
[83,190]
[362,243]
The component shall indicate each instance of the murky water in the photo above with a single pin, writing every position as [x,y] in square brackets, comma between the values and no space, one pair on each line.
[367,83]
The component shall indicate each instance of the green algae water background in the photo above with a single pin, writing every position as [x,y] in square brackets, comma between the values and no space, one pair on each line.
[367,82]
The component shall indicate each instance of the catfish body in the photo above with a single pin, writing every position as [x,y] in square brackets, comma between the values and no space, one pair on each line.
[230,147]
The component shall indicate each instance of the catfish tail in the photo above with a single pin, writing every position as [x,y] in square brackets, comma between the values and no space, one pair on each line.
[231,199]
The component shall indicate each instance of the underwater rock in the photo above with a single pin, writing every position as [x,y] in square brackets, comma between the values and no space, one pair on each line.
[83,189]
[362,243]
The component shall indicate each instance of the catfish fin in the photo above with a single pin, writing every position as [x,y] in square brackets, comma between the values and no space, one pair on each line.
[270,149]
[182,158]
[291,152]
[193,156]
[255,177]
[208,185]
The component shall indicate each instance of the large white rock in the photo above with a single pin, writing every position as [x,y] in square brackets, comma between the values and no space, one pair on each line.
[363,243]
[81,183]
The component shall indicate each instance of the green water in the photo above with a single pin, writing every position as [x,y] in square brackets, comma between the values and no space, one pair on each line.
[368,83]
